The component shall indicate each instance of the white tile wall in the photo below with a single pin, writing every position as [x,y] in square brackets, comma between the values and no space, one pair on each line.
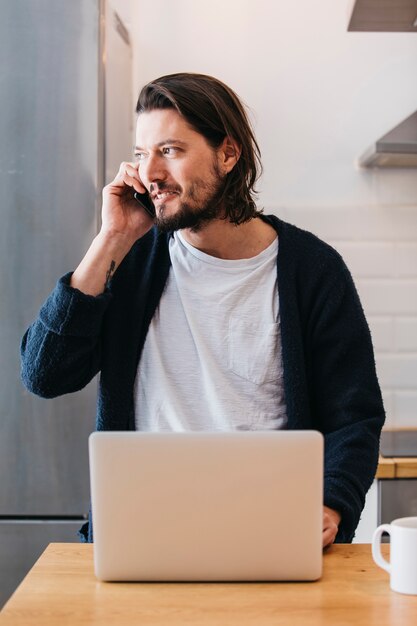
[389,400]
[388,296]
[405,334]
[382,331]
[379,245]
[398,371]
[405,403]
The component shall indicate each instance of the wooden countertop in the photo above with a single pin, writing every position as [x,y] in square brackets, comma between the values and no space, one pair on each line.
[397,467]
[61,589]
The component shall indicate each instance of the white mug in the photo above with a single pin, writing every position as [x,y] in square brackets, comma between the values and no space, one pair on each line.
[403,553]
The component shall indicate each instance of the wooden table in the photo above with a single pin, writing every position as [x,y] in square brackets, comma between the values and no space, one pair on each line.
[397,467]
[61,589]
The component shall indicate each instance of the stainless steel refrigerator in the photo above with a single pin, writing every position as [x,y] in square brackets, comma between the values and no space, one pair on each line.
[65,123]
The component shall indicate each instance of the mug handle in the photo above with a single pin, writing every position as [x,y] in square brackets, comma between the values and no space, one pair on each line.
[376,547]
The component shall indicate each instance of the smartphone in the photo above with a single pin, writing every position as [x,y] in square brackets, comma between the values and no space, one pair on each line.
[145,202]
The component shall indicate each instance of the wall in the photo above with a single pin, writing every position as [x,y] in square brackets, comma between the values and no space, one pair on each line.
[319,96]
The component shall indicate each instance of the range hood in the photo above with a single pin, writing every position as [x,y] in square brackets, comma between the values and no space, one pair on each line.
[387,16]
[398,148]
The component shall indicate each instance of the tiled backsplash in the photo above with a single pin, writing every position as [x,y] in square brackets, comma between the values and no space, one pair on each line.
[379,245]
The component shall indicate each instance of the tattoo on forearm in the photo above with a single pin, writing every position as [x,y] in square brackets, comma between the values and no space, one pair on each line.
[109,274]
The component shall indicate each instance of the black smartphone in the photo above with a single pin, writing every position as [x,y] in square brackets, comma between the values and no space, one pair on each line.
[145,202]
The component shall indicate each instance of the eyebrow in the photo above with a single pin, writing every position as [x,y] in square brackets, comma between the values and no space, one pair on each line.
[163,143]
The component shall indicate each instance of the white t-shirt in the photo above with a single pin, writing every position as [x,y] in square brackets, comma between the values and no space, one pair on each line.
[212,355]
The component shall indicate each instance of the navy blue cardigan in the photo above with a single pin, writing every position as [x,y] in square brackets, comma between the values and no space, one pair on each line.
[329,370]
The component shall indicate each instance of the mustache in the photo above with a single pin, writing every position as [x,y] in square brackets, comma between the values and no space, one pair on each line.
[163,186]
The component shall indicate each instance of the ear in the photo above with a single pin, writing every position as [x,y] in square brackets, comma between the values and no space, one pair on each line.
[228,154]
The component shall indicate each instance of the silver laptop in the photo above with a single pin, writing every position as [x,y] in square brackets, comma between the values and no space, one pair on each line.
[244,506]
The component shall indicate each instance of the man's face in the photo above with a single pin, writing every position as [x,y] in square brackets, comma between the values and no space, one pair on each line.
[179,169]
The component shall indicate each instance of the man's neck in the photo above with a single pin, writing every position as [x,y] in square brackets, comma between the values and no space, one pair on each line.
[224,240]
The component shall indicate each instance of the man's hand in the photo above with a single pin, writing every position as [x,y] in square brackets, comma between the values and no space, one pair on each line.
[121,213]
[123,222]
[331,521]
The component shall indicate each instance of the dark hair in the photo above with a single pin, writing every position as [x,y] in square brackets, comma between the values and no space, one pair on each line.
[214,111]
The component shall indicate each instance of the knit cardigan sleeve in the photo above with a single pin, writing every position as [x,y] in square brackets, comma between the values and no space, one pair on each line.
[60,351]
[346,399]
[329,368]
[345,396]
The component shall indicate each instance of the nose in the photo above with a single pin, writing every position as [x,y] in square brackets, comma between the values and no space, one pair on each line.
[152,169]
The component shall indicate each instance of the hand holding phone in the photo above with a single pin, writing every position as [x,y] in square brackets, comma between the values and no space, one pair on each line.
[123,222]
[122,212]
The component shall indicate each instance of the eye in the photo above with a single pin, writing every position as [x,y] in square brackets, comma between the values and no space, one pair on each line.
[139,156]
[169,150]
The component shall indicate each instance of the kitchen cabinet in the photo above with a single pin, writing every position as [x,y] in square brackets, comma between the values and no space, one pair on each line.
[393,494]
[388,16]
[397,488]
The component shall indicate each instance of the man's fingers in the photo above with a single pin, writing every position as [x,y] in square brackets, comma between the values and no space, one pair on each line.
[329,531]
[128,175]
[132,167]
[329,535]
[133,182]
[330,527]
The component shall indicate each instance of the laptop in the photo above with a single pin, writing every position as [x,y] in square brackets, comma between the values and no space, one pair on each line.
[212,506]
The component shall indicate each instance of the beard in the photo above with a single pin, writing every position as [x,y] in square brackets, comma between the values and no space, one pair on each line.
[201,205]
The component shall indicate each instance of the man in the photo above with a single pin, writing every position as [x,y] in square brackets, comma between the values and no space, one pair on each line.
[211,315]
